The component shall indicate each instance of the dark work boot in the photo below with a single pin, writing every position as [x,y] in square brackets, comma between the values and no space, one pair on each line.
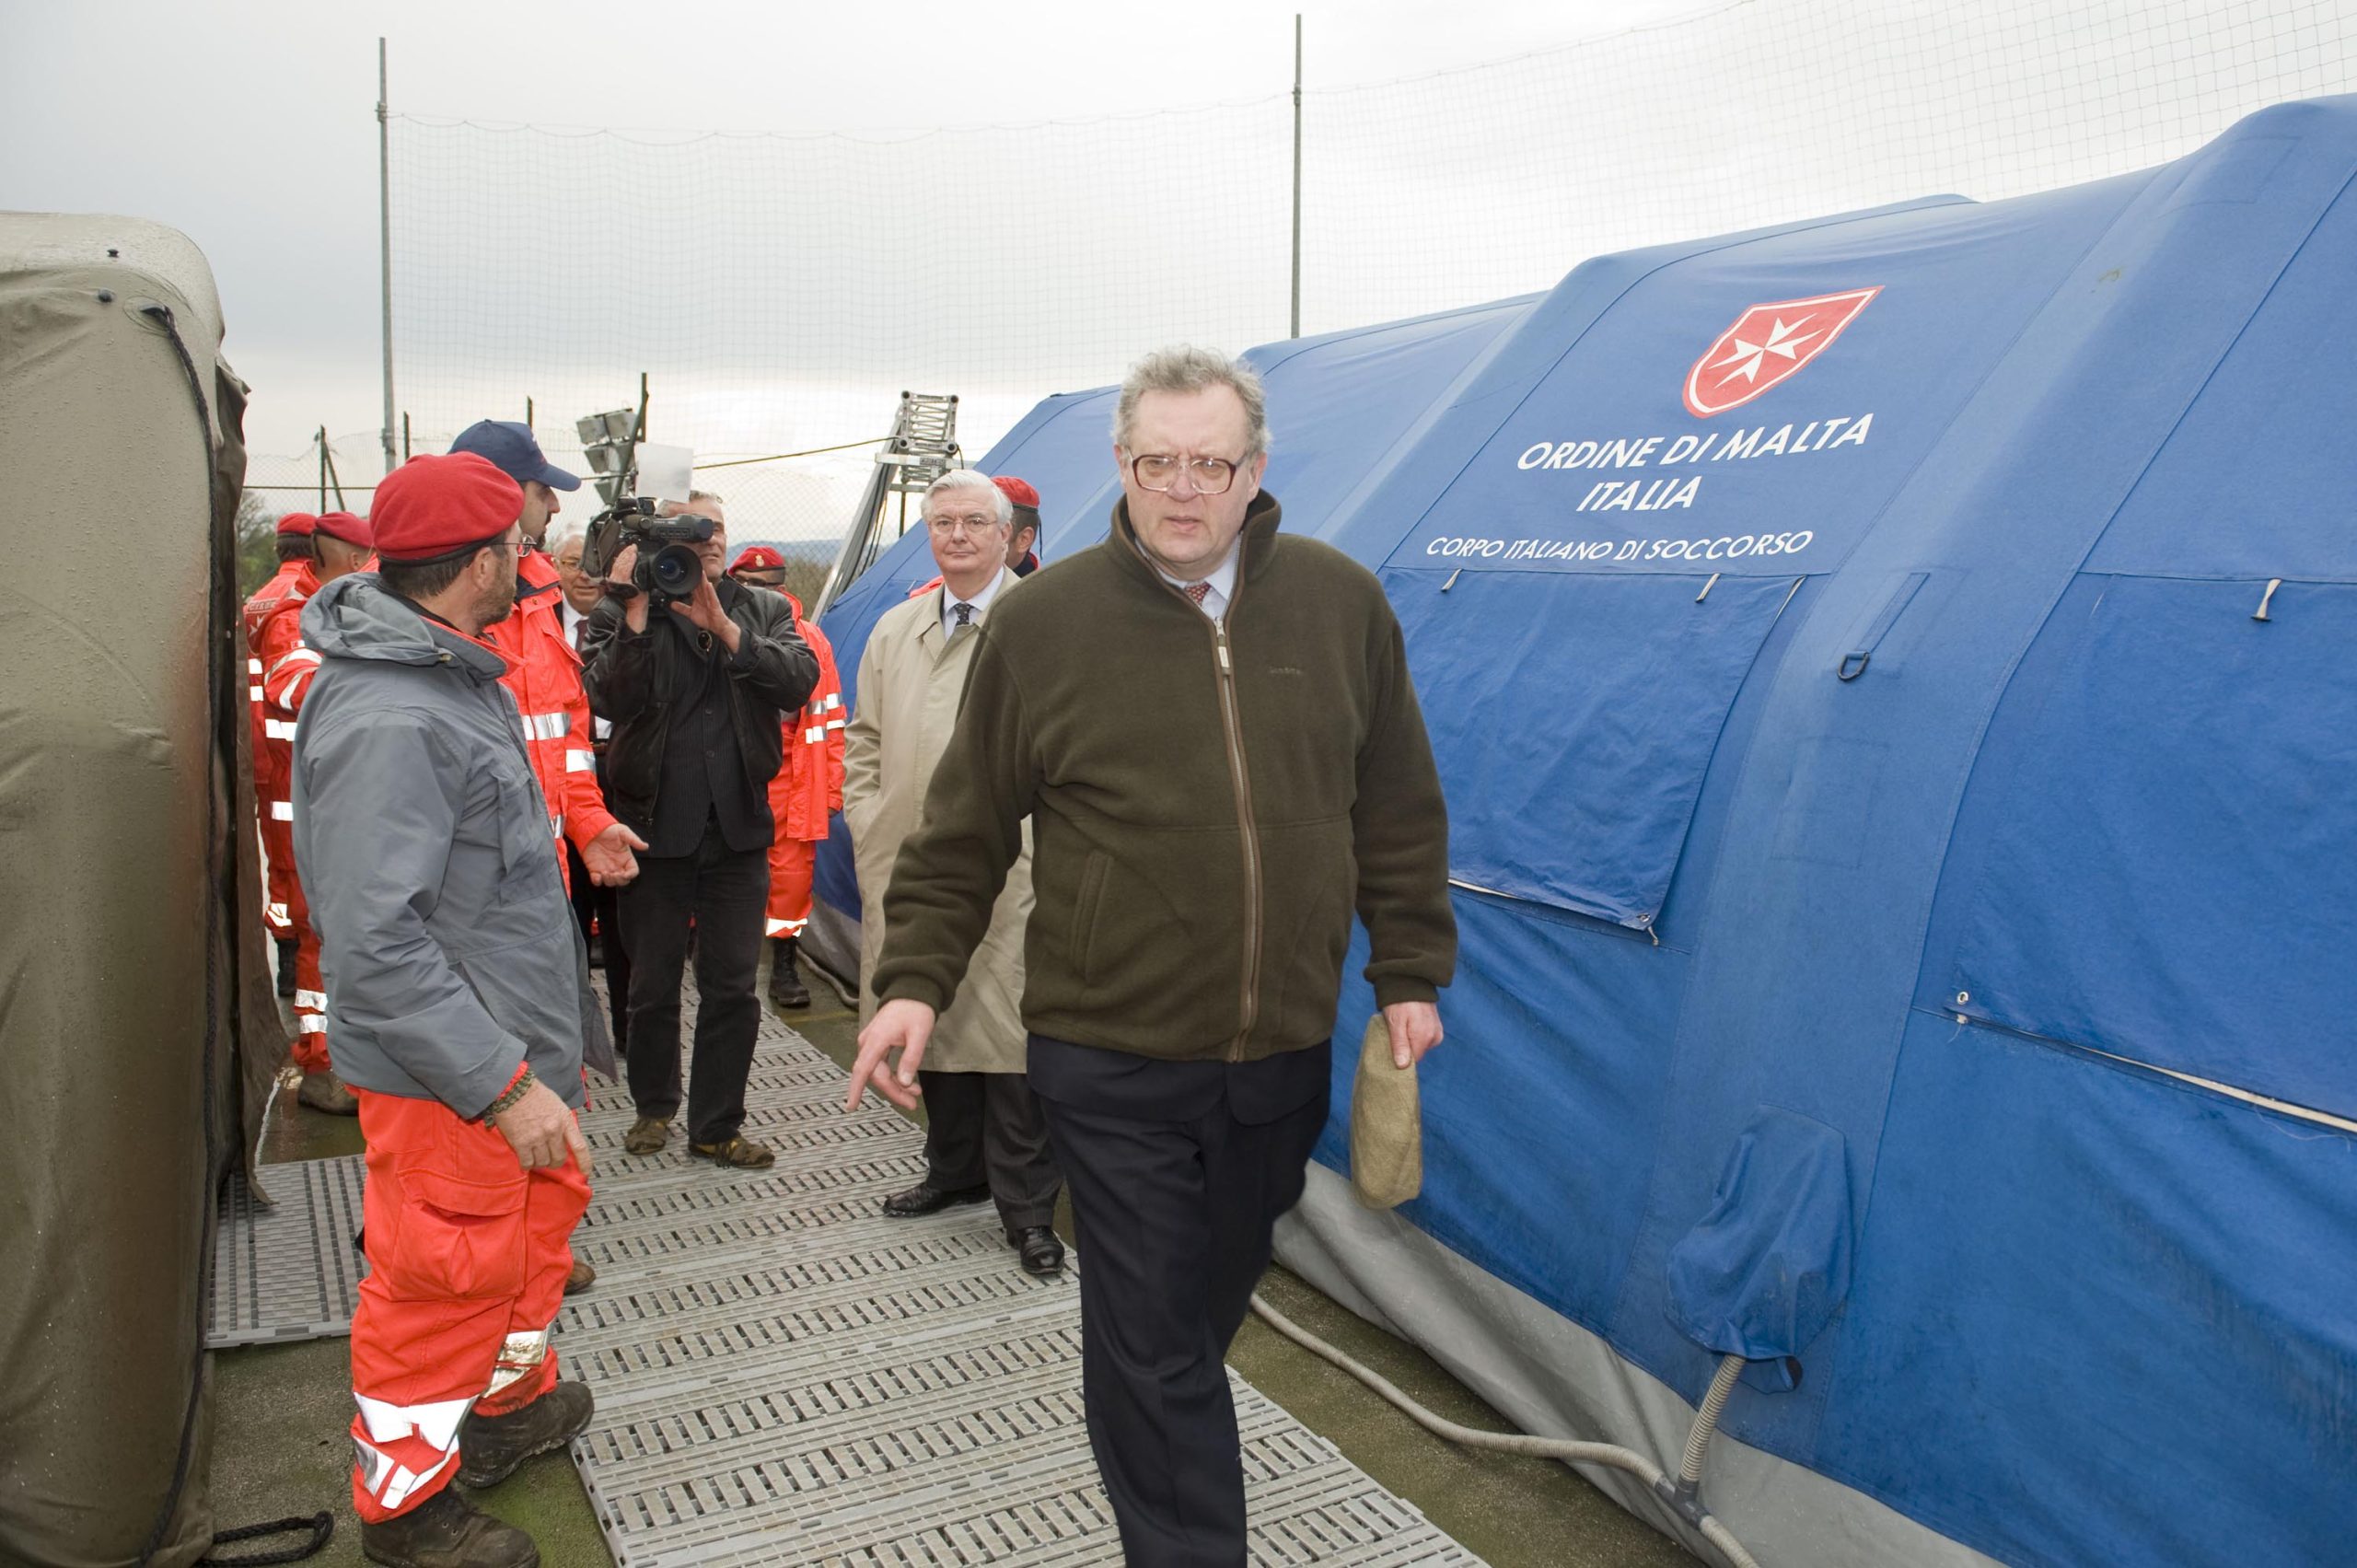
[786,986]
[491,1447]
[286,966]
[445,1532]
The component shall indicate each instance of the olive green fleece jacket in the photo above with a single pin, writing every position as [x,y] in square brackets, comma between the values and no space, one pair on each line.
[1209,803]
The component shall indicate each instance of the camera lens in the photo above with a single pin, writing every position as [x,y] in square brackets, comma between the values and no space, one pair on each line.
[675,571]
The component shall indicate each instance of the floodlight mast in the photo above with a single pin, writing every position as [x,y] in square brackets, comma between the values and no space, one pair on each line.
[610,442]
[921,447]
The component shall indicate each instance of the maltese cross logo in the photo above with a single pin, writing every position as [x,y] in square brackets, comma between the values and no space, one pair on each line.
[1768,345]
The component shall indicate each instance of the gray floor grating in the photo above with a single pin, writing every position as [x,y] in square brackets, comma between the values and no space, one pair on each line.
[785,1377]
[288,1271]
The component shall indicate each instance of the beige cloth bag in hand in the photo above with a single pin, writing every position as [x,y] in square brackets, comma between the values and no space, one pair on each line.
[1387,1125]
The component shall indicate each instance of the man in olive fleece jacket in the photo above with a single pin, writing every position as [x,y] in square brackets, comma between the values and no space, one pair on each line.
[1212,730]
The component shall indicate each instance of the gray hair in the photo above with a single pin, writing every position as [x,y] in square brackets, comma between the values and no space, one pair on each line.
[563,535]
[707,495]
[1186,368]
[971,479]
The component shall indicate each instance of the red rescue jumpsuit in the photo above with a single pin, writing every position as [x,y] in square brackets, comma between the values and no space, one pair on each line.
[807,789]
[467,1253]
[286,670]
[273,742]
[544,674]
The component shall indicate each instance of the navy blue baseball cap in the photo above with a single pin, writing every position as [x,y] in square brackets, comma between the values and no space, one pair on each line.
[509,445]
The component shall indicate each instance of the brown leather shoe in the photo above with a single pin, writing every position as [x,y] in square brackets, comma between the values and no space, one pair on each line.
[324,1092]
[741,1151]
[444,1531]
[647,1135]
[582,1277]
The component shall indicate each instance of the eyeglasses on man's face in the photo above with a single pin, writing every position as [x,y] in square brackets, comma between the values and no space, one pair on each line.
[1160,471]
[977,524]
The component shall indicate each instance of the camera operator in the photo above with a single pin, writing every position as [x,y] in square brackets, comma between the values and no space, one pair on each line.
[697,688]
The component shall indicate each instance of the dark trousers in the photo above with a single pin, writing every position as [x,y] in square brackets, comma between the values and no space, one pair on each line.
[600,909]
[584,892]
[719,893]
[987,1128]
[1178,1171]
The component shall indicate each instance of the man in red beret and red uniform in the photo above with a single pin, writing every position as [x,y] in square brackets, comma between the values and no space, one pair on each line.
[336,543]
[807,791]
[294,581]
[458,1000]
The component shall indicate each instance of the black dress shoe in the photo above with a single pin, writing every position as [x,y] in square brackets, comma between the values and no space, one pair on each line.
[1038,1247]
[925,1197]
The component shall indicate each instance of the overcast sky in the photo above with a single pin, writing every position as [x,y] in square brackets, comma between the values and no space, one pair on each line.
[251,126]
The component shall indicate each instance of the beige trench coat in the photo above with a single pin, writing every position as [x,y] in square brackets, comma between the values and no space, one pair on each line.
[910,677]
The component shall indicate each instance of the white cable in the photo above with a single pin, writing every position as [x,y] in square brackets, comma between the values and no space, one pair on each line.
[1568,1450]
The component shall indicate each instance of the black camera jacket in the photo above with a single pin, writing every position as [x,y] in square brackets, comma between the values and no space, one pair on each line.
[630,676]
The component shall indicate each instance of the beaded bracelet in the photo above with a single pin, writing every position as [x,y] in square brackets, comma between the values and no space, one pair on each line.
[515,1091]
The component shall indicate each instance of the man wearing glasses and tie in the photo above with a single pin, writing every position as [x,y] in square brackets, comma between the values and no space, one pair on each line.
[984,1138]
[1209,727]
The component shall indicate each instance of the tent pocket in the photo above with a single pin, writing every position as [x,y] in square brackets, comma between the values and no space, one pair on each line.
[1573,716]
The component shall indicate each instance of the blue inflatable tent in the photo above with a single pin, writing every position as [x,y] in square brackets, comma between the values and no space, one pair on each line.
[1895,679]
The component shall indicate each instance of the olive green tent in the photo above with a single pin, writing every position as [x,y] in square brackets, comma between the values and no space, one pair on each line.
[131,962]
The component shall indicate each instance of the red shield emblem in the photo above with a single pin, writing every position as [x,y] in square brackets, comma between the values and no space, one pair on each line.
[1768,345]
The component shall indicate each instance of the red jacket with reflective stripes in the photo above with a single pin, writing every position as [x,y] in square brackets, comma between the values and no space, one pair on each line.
[809,788]
[544,674]
[274,619]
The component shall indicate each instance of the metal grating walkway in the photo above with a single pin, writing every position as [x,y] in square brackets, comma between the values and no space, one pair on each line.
[783,1375]
[288,1271]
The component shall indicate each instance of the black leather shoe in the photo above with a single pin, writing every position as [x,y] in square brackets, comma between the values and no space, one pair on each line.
[1041,1253]
[445,1532]
[925,1197]
[491,1447]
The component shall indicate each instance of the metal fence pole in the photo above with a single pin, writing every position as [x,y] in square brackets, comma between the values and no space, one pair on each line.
[385,240]
[1296,175]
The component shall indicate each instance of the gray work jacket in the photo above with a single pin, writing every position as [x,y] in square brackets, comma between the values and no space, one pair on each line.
[445,939]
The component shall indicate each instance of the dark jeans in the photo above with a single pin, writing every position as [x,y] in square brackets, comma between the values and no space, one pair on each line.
[987,1128]
[719,893]
[1178,1171]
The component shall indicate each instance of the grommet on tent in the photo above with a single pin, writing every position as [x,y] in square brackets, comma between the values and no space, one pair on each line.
[2267,598]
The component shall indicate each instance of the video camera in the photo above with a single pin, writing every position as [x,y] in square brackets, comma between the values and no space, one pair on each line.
[667,566]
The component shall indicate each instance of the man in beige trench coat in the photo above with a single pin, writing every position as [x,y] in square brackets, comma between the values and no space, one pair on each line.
[985,1137]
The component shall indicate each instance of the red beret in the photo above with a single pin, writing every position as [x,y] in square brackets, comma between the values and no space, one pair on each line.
[298,523]
[432,506]
[1017,490]
[756,558]
[347,528]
